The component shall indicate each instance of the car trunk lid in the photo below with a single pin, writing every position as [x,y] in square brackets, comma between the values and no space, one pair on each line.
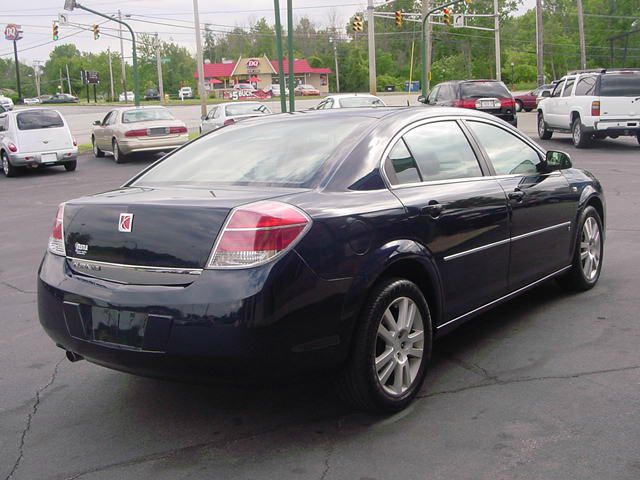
[620,96]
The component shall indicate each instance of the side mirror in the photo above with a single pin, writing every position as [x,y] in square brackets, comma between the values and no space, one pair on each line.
[555,160]
[423,99]
[97,122]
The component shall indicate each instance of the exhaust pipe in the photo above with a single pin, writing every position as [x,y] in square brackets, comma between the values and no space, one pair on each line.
[73,357]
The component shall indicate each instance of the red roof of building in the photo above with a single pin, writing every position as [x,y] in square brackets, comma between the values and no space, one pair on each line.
[225,69]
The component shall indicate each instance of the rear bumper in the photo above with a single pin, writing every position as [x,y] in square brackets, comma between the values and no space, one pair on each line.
[273,321]
[619,127]
[35,159]
[132,145]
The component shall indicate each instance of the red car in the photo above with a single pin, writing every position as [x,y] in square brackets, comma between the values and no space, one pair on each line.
[305,90]
[529,101]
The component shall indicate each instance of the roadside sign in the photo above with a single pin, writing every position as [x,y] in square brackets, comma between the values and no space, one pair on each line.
[458,20]
[12,32]
[92,77]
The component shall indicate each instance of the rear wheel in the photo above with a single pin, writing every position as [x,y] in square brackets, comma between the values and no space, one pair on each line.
[543,132]
[118,156]
[96,151]
[391,350]
[528,109]
[581,139]
[589,249]
[70,166]
[8,169]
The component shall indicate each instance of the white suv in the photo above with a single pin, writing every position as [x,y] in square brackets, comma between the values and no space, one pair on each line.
[592,105]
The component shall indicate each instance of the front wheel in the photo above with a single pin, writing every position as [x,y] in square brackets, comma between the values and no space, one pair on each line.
[581,139]
[589,251]
[392,347]
[543,132]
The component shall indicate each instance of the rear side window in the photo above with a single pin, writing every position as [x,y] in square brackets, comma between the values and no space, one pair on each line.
[509,155]
[568,87]
[402,165]
[38,119]
[483,89]
[442,152]
[620,85]
[586,86]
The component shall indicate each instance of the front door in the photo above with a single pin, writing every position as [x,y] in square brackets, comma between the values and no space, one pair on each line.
[542,205]
[459,215]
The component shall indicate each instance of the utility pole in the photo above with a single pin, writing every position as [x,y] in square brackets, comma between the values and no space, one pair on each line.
[539,43]
[36,73]
[335,58]
[497,37]
[15,56]
[113,97]
[292,78]
[372,48]
[68,79]
[281,80]
[583,53]
[159,67]
[201,90]
[124,69]
[426,6]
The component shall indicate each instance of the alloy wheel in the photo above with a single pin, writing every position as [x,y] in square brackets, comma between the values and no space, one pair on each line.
[116,151]
[399,346]
[5,165]
[590,248]
[577,133]
[540,125]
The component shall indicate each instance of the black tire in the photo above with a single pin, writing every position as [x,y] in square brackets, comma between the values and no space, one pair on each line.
[71,166]
[8,169]
[518,105]
[543,132]
[118,156]
[359,384]
[528,109]
[576,279]
[638,137]
[96,150]
[580,138]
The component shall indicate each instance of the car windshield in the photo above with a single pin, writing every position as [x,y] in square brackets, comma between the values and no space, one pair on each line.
[246,109]
[352,102]
[483,89]
[279,153]
[620,85]
[145,115]
[38,119]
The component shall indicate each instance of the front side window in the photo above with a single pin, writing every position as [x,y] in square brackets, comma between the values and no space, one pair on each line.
[442,152]
[508,154]
[246,109]
[38,119]
[433,95]
[568,87]
[558,90]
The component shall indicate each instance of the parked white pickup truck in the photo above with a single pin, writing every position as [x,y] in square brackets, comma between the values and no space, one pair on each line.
[593,105]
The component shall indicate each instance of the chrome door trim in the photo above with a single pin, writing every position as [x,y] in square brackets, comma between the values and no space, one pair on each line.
[542,230]
[505,297]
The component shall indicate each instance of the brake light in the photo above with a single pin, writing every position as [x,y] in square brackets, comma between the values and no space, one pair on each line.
[56,240]
[507,103]
[178,130]
[228,121]
[465,103]
[75,142]
[257,233]
[142,132]
[595,108]
[12,148]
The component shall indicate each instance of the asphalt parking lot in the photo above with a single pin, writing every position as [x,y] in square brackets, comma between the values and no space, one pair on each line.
[546,387]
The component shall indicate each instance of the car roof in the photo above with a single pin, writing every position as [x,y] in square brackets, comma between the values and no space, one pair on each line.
[352,95]
[32,109]
[141,107]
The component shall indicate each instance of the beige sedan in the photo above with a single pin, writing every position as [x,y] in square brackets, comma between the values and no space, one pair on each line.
[124,131]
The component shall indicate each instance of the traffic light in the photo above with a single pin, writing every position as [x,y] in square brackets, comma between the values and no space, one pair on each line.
[55,32]
[96,32]
[446,17]
[357,24]
[398,18]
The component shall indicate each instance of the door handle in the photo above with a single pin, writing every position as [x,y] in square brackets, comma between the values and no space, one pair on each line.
[516,195]
[433,209]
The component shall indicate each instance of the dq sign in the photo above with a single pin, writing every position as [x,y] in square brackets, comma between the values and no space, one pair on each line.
[12,32]
[253,63]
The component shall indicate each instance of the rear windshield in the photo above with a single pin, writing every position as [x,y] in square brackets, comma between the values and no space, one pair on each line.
[621,85]
[352,102]
[483,89]
[39,119]
[246,109]
[132,116]
[281,153]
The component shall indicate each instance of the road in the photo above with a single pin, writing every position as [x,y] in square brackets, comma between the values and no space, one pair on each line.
[546,387]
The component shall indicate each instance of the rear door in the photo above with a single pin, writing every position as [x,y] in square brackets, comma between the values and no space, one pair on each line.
[458,214]
[620,96]
[542,205]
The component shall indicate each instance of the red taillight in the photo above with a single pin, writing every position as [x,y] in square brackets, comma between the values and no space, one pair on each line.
[75,142]
[12,147]
[142,132]
[507,103]
[56,240]
[257,233]
[595,108]
[465,103]
[178,130]
[229,121]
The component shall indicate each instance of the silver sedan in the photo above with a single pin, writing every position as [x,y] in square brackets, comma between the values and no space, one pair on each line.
[227,113]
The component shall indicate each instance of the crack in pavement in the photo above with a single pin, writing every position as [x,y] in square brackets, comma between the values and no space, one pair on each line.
[34,410]
[7,284]
[471,367]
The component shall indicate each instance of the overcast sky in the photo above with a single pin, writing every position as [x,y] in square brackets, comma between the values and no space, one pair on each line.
[176,15]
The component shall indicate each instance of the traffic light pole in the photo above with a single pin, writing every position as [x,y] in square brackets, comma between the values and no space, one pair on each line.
[136,79]
[281,80]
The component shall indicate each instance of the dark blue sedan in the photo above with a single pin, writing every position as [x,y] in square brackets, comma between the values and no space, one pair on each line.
[345,240]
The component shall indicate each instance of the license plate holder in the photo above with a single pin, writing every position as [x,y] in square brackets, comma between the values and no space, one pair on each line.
[158,131]
[120,327]
[48,158]
[487,105]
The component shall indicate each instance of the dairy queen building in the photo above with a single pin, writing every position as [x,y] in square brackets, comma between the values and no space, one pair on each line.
[261,73]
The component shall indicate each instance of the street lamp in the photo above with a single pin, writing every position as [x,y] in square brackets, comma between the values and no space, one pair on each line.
[71,4]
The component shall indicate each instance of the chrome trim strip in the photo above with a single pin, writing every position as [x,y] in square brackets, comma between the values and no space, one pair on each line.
[505,297]
[477,249]
[542,230]
[139,268]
